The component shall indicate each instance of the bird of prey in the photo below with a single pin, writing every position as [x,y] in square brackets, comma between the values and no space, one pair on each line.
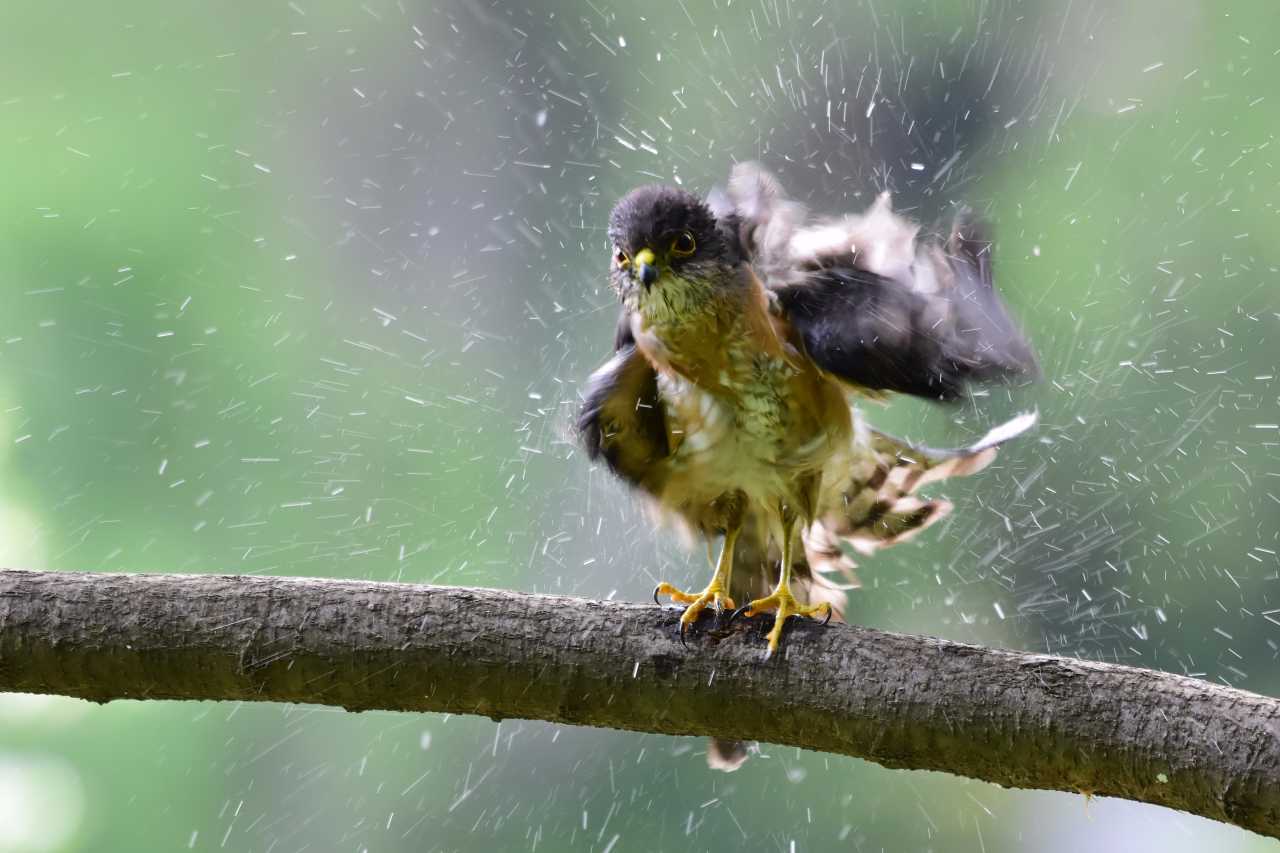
[747,330]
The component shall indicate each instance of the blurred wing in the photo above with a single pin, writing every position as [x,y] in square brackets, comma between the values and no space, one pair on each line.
[622,335]
[622,420]
[873,305]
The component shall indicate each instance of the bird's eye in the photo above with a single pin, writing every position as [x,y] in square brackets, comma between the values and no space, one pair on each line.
[683,244]
[621,259]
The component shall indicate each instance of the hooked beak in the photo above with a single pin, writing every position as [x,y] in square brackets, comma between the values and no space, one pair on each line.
[646,271]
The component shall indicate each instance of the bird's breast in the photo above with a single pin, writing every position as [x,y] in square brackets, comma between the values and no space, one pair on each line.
[762,423]
[745,409]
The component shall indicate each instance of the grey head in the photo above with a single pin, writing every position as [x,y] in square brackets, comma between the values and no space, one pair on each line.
[667,237]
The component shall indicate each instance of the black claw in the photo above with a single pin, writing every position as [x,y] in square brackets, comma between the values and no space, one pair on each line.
[655,595]
[735,614]
[828,619]
[682,642]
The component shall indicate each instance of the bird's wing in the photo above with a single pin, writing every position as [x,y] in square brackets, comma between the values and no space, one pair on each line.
[622,419]
[622,334]
[874,305]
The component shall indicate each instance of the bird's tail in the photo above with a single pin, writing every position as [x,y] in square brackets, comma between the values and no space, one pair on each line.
[727,755]
[874,503]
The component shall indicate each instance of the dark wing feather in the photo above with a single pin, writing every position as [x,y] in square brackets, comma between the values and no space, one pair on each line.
[622,335]
[622,420]
[875,333]
[869,334]
[872,304]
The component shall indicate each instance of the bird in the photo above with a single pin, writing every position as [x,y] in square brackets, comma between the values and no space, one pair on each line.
[749,332]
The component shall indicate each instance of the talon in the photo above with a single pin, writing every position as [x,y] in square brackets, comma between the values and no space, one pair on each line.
[656,590]
[735,614]
[677,595]
[783,605]
[827,618]
[713,596]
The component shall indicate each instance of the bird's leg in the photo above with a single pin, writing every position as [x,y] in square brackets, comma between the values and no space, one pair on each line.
[716,593]
[781,600]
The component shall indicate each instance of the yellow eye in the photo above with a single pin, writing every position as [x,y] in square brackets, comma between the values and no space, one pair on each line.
[683,245]
[621,259]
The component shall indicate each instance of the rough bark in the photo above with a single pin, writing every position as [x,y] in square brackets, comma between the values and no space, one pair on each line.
[1020,720]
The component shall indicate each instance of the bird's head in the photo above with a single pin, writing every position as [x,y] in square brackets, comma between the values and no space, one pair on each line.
[667,250]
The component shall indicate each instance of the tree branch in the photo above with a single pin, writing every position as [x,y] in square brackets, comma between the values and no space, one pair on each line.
[1020,720]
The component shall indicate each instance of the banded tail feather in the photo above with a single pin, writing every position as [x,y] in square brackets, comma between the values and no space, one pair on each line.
[727,755]
[878,505]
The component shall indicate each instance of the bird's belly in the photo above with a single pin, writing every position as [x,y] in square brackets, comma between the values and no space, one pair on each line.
[757,440]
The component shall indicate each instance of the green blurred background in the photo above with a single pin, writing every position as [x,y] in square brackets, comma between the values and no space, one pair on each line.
[310,288]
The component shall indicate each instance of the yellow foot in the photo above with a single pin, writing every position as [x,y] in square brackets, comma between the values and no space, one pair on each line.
[712,595]
[784,605]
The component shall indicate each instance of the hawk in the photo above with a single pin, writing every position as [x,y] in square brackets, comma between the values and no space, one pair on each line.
[747,329]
